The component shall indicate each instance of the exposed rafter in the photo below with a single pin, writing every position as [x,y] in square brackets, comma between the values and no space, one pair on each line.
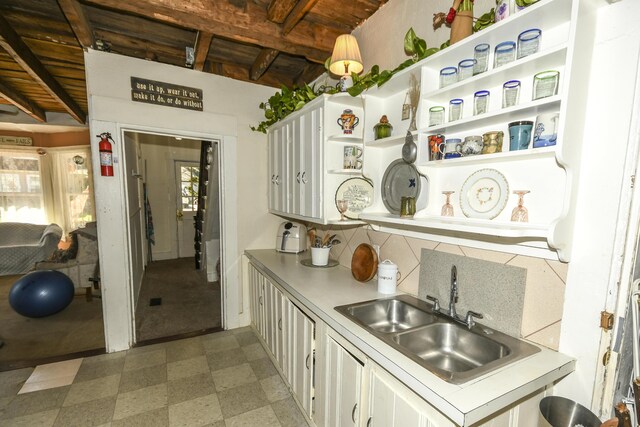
[222,19]
[20,52]
[262,63]
[310,72]
[80,25]
[278,10]
[203,42]
[297,14]
[22,102]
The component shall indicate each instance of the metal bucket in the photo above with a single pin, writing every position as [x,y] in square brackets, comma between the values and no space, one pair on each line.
[561,412]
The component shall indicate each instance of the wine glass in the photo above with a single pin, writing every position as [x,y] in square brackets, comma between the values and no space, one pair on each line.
[447,208]
[520,213]
[343,206]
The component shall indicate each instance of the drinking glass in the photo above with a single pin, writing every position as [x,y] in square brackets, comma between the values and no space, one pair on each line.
[481,55]
[447,208]
[455,109]
[436,116]
[448,75]
[520,213]
[343,206]
[510,93]
[465,68]
[545,84]
[529,42]
[480,102]
[505,53]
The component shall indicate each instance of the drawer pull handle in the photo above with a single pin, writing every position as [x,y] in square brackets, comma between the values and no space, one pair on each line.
[304,180]
[369,421]
[280,324]
[306,362]
[260,299]
[353,413]
[298,177]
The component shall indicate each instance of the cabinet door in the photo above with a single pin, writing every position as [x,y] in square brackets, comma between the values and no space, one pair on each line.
[269,314]
[392,404]
[297,153]
[282,355]
[301,345]
[256,288]
[343,378]
[311,164]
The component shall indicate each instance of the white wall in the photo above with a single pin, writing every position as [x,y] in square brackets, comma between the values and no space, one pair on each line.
[230,107]
[606,134]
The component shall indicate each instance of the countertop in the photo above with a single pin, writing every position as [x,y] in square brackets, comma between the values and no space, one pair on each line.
[319,290]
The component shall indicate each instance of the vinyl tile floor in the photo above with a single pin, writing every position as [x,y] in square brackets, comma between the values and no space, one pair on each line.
[220,379]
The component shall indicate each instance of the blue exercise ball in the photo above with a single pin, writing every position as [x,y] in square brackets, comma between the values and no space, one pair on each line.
[41,293]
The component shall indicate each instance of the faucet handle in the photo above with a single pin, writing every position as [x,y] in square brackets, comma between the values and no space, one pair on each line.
[436,303]
[469,319]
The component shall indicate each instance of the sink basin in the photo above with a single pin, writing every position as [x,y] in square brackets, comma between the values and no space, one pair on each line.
[388,315]
[445,347]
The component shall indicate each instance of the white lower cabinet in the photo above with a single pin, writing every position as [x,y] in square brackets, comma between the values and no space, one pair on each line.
[342,375]
[301,346]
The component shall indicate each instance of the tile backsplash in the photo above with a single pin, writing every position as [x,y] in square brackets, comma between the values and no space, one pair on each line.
[545,279]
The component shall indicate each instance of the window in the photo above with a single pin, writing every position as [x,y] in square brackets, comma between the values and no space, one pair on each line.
[77,195]
[21,197]
[189,187]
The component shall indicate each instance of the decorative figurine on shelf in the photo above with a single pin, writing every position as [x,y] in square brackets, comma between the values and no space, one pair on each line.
[348,121]
[383,129]
[460,19]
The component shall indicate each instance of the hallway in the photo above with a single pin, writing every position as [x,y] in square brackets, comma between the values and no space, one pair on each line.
[188,303]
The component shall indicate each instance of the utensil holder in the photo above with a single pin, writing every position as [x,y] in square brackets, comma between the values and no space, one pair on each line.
[320,256]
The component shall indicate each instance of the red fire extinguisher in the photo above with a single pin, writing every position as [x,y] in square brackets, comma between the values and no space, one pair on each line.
[106,154]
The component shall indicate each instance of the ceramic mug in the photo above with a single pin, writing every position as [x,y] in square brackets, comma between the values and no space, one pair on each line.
[492,142]
[546,130]
[436,146]
[352,157]
[471,146]
[520,135]
[452,148]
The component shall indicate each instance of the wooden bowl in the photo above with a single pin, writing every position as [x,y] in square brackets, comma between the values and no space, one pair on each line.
[364,263]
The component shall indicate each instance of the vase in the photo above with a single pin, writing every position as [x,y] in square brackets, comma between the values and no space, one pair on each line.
[462,26]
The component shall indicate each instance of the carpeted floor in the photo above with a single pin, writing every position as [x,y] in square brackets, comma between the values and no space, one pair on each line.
[189,302]
[77,328]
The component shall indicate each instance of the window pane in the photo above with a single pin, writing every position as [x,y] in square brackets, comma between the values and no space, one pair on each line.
[20,188]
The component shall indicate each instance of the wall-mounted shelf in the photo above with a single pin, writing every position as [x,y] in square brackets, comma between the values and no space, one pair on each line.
[345,171]
[509,156]
[390,141]
[346,139]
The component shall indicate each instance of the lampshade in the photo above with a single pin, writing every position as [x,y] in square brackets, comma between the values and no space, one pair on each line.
[346,56]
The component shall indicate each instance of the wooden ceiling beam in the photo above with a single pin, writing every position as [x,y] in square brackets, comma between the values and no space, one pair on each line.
[308,74]
[203,42]
[278,10]
[261,64]
[78,21]
[223,19]
[11,42]
[297,14]
[22,102]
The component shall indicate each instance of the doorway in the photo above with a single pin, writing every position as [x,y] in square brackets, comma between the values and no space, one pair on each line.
[174,199]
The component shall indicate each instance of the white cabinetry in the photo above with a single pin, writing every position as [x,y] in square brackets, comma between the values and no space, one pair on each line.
[342,374]
[301,346]
[549,173]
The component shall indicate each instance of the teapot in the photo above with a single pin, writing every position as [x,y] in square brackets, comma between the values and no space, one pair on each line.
[471,146]
[348,121]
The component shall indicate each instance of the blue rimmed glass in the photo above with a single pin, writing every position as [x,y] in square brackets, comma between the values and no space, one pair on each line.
[510,93]
[465,69]
[481,55]
[448,75]
[505,53]
[529,42]
[455,109]
[481,102]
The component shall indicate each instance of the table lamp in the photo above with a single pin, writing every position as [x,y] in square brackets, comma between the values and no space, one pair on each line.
[345,60]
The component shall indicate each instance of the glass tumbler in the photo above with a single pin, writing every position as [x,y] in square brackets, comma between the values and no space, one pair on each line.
[465,69]
[448,76]
[481,55]
[505,53]
[545,84]
[481,102]
[455,109]
[510,93]
[436,115]
[529,42]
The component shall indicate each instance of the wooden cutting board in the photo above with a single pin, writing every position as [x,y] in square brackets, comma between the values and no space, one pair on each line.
[364,263]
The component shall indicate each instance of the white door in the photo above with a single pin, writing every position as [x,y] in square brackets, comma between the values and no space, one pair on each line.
[311,159]
[187,174]
[344,378]
[301,348]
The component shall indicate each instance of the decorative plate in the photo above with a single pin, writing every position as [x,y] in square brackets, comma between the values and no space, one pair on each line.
[307,263]
[358,192]
[484,194]
[401,179]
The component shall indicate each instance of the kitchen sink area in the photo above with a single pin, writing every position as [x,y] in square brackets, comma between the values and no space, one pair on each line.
[443,344]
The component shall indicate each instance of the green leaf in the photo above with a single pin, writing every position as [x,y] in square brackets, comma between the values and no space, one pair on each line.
[355,90]
[299,105]
[409,38]
[431,51]
[327,63]
[420,47]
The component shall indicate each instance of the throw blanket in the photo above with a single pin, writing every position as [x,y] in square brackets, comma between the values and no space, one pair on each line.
[22,245]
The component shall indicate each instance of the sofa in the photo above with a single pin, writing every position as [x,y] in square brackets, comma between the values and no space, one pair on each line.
[22,245]
[80,261]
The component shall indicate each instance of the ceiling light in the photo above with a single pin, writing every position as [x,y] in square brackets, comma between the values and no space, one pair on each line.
[346,59]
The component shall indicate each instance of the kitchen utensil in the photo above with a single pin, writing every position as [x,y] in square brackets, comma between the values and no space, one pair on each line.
[330,263]
[358,192]
[484,194]
[401,179]
[409,149]
[364,263]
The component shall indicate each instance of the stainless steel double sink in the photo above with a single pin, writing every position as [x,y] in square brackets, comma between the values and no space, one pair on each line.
[447,348]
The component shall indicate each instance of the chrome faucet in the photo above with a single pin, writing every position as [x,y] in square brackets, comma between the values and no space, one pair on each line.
[453,296]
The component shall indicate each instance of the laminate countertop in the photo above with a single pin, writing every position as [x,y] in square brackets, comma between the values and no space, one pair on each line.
[319,290]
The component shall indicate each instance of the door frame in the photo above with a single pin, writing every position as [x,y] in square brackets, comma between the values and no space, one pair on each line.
[118,300]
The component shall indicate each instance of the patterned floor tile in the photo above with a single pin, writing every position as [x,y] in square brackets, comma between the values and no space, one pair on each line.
[90,370]
[39,419]
[263,417]
[225,359]
[144,360]
[93,413]
[184,349]
[235,376]
[190,388]
[196,412]
[187,368]
[156,418]
[274,388]
[140,401]
[254,351]
[288,413]
[11,381]
[38,401]
[141,378]
[241,399]
[246,338]
[263,368]
[214,345]
[93,389]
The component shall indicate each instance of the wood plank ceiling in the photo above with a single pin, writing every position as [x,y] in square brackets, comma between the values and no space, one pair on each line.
[269,42]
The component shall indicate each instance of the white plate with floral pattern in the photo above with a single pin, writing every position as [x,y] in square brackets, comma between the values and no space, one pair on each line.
[484,194]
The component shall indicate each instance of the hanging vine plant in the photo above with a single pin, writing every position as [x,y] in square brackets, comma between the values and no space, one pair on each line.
[285,102]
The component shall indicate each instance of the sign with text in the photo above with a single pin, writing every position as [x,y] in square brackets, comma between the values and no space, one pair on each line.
[16,140]
[170,95]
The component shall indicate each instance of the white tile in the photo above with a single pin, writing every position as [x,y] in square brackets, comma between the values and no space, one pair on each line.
[398,251]
[377,237]
[561,269]
[487,255]
[52,375]
[337,250]
[345,257]
[347,231]
[451,249]
[417,245]
[359,237]
[411,283]
[548,337]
